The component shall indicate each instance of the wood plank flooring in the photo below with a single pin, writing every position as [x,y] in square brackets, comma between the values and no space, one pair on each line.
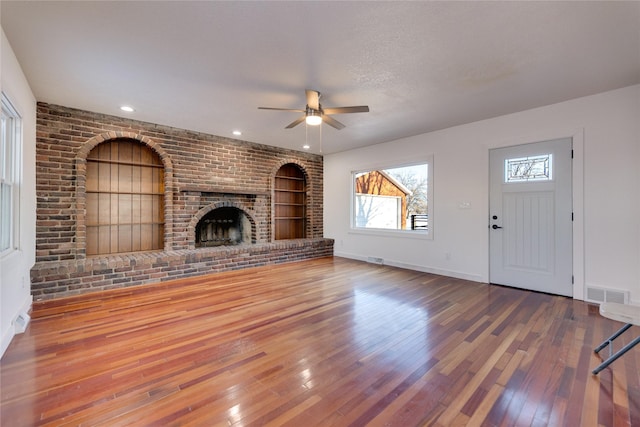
[326,342]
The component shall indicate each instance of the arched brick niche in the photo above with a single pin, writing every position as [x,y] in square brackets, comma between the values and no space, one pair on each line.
[284,199]
[81,184]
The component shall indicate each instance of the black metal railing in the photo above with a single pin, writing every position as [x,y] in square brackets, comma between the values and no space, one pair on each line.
[420,222]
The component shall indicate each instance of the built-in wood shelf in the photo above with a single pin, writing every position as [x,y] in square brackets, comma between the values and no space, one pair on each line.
[290,202]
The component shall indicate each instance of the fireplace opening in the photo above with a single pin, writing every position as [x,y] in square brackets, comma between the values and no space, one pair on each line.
[223,226]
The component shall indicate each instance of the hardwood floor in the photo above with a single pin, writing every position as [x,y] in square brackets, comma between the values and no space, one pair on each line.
[317,343]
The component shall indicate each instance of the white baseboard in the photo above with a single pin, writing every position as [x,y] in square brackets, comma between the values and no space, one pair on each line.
[422,268]
[6,340]
[18,325]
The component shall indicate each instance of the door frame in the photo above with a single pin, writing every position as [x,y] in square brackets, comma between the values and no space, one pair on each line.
[577,188]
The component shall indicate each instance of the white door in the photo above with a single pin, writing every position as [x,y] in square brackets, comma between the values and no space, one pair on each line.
[530,218]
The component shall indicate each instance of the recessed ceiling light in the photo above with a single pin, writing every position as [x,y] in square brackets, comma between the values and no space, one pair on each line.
[237,133]
[127,109]
[306,146]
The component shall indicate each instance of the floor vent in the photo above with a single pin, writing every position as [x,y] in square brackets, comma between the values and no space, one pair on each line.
[607,295]
[22,321]
[374,260]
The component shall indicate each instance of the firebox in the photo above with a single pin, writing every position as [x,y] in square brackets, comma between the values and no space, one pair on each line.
[223,226]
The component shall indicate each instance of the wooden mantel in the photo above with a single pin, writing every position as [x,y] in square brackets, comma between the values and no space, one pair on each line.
[222,190]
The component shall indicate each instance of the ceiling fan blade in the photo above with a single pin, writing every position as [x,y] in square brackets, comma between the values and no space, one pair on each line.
[313,99]
[296,122]
[281,109]
[332,122]
[345,110]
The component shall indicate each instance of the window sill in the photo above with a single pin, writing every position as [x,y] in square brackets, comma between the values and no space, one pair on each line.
[402,234]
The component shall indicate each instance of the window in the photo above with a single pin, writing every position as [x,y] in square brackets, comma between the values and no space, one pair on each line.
[10,144]
[393,198]
[527,169]
[125,198]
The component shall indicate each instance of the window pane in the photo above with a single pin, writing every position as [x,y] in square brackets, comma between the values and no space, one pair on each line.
[4,140]
[9,149]
[375,211]
[535,168]
[392,198]
[5,216]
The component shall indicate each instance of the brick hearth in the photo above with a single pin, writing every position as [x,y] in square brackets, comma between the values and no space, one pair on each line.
[64,278]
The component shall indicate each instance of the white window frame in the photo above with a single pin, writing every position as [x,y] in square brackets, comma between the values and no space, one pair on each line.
[10,172]
[412,234]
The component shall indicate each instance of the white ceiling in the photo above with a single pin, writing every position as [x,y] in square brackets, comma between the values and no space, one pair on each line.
[419,66]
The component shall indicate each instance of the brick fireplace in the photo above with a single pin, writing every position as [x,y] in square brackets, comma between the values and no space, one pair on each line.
[218,205]
[224,226]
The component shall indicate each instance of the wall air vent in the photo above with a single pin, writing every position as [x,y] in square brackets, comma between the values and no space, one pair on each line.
[599,295]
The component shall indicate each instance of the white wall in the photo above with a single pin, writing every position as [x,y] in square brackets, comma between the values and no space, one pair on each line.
[606,132]
[15,284]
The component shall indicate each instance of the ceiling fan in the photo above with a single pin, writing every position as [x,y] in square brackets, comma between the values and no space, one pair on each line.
[314,114]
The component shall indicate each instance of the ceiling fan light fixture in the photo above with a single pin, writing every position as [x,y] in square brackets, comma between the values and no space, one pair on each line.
[313,118]
[315,115]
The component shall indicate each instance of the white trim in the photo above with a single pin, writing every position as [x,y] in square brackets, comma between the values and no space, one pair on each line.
[381,232]
[11,332]
[14,175]
[438,271]
[578,215]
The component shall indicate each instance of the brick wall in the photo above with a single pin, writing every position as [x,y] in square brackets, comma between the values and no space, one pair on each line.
[201,171]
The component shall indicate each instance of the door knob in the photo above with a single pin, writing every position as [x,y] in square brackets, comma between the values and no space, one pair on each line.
[495,227]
